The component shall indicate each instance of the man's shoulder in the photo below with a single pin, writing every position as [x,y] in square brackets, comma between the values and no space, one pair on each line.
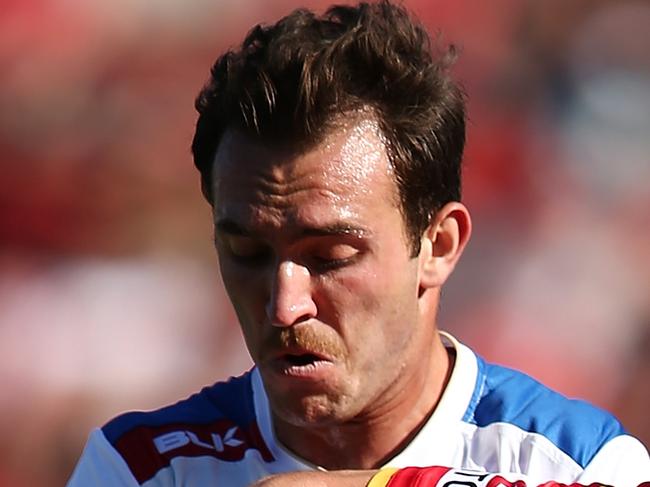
[504,396]
[219,421]
[229,400]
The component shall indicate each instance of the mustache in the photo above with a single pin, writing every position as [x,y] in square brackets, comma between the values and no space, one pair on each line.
[320,342]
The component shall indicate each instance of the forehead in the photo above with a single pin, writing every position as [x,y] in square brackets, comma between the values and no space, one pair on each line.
[348,172]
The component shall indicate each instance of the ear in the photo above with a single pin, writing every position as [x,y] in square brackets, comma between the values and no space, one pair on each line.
[443,243]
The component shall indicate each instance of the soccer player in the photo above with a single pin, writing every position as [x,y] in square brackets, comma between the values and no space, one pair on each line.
[330,149]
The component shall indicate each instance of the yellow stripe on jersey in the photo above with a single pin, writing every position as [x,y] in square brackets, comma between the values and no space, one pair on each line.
[381,478]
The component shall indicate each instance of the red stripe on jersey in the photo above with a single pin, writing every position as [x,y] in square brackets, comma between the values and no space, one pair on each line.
[417,477]
[499,481]
[552,483]
[148,449]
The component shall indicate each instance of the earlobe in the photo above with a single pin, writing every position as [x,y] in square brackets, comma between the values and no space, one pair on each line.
[443,243]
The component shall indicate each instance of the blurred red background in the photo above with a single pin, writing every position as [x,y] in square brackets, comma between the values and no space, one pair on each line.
[109,291]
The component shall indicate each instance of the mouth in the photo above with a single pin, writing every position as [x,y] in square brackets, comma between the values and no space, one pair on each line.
[301,360]
[301,364]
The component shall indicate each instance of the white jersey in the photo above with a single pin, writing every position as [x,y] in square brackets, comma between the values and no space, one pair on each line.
[489,418]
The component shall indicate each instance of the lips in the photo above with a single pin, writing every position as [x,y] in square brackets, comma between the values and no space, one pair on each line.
[299,362]
[298,356]
[308,352]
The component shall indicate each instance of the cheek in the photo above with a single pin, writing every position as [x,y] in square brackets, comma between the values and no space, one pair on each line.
[247,298]
[380,281]
[244,287]
[381,306]
[368,302]
[347,295]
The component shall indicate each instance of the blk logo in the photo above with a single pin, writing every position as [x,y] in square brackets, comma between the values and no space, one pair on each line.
[177,439]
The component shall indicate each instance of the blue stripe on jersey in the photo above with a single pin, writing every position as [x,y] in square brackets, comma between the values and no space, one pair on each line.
[232,400]
[505,395]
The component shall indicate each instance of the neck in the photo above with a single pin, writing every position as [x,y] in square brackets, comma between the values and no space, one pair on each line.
[372,438]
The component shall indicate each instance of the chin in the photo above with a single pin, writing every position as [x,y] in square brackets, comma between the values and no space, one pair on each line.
[311,411]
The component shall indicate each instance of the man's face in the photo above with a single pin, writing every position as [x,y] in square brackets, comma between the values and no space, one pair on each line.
[314,257]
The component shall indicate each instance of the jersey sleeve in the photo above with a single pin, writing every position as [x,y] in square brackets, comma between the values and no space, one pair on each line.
[101,465]
[622,461]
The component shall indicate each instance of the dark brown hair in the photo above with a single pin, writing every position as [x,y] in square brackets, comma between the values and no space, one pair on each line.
[290,82]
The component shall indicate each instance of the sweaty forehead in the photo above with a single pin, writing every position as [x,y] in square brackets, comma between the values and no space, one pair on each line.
[351,162]
[357,154]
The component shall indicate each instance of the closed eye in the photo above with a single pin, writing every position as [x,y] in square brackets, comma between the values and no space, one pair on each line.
[334,256]
[245,250]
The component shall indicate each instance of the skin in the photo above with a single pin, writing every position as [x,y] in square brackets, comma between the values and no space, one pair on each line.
[338,316]
[351,478]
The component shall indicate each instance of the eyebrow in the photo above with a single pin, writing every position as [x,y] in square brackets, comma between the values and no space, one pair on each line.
[231,227]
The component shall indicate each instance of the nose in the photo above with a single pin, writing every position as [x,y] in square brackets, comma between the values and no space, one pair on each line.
[290,299]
